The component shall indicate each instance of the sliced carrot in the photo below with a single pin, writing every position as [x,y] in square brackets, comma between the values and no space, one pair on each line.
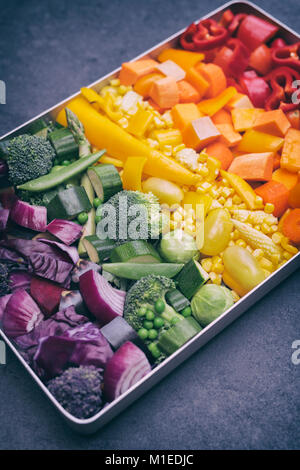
[253,166]
[222,117]
[285,177]
[197,80]
[244,118]
[185,59]
[228,135]
[291,226]
[221,152]
[274,193]
[215,77]
[199,133]
[294,197]
[132,71]
[183,113]
[165,92]
[272,122]
[276,161]
[187,92]
[294,118]
[144,84]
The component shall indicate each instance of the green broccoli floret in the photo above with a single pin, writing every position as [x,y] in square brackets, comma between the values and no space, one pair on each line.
[29,157]
[126,215]
[35,199]
[145,293]
[79,390]
[5,287]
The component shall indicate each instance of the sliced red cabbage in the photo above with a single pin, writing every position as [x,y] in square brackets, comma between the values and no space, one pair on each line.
[82,267]
[4,214]
[73,297]
[21,314]
[10,255]
[20,280]
[33,217]
[82,346]
[70,251]
[3,302]
[102,300]
[50,268]
[47,295]
[127,366]
[65,230]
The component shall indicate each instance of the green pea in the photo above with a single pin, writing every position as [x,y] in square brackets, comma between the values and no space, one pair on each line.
[142,311]
[148,324]
[150,315]
[143,333]
[159,306]
[82,218]
[186,312]
[152,334]
[154,350]
[175,320]
[65,162]
[97,202]
[97,219]
[158,322]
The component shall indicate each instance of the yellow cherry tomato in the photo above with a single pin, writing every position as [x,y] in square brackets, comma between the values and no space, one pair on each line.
[217,230]
[166,191]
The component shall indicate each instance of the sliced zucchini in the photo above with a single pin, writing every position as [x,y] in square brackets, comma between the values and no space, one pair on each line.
[178,335]
[136,271]
[38,128]
[191,278]
[67,204]
[106,180]
[64,144]
[98,250]
[136,251]
[177,300]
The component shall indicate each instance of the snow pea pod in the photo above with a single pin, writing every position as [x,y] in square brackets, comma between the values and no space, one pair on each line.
[60,176]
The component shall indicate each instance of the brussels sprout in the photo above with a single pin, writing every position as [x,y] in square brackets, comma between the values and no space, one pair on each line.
[178,247]
[210,302]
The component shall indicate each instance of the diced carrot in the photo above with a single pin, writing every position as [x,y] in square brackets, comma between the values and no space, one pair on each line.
[156,106]
[187,93]
[275,193]
[197,80]
[222,117]
[228,135]
[291,226]
[221,152]
[261,59]
[144,84]
[170,69]
[272,122]
[239,101]
[165,92]
[183,113]
[294,197]
[290,157]
[215,77]
[244,118]
[294,118]
[185,59]
[199,133]
[253,166]
[285,177]
[132,71]
[276,161]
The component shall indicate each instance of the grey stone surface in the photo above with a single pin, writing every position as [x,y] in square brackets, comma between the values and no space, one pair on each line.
[241,391]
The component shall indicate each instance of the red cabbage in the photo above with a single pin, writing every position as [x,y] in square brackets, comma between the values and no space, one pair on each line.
[73,297]
[70,251]
[82,267]
[4,214]
[49,268]
[127,366]
[10,255]
[20,280]
[82,346]
[102,300]
[68,232]
[3,302]
[46,294]
[33,217]
[21,314]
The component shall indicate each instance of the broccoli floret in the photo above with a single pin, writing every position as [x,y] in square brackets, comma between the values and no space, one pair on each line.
[144,293]
[5,287]
[29,157]
[35,199]
[123,203]
[79,390]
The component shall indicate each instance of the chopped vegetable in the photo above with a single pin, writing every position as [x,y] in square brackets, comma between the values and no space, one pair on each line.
[66,231]
[136,271]
[136,251]
[69,203]
[210,302]
[64,144]
[274,193]
[176,336]
[191,278]
[46,294]
[291,226]
[106,181]
[253,166]
[178,247]
[21,314]
[33,217]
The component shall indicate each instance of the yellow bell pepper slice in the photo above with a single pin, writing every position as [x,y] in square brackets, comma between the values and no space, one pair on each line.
[111,161]
[195,199]
[213,105]
[139,122]
[185,59]
[200,216]
[132,173]
[243,189]
[99,102]
[257,142]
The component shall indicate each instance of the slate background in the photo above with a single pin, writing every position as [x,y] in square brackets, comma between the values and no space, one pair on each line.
[241,391]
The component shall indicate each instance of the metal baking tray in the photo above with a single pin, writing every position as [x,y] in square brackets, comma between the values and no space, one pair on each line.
[91,425]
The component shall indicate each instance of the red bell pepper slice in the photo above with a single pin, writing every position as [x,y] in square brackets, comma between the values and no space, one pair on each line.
[254,31]
[261,59]
[233,58]
[287,56]
[283,92]
[235,23]
[205,36]
[227,18]
[256,88]
[278,43]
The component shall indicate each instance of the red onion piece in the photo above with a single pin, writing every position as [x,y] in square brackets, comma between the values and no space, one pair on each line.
[33,217]
[67,231]
[3,302]
[21,314]
[4,214]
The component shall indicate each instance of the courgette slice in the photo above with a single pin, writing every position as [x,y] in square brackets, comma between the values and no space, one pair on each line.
[177,300]
[191,278]
[98,250]
[137,251]
[106,180]
[67,204]
[64,144]
[38,128]
[136,271]
[178,335]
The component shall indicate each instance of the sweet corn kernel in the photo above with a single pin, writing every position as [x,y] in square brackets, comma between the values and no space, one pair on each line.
[122,89]
[266,272]
[274,228]
[259,200]
[222,200]
[258,254]
[231,243]
[266,264]
[228,203]
[276,237]
[269,208]
[275,259]
[115,82]
[235,296]
[236,199]
[204,171]
[243,206]
[241,243]
[287,255]
[218,268]
[226,192]
[248,248]
[265,228]
[206,264]
[290,248]
[213,276]
[257,227]
[178,148]
[213,192]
